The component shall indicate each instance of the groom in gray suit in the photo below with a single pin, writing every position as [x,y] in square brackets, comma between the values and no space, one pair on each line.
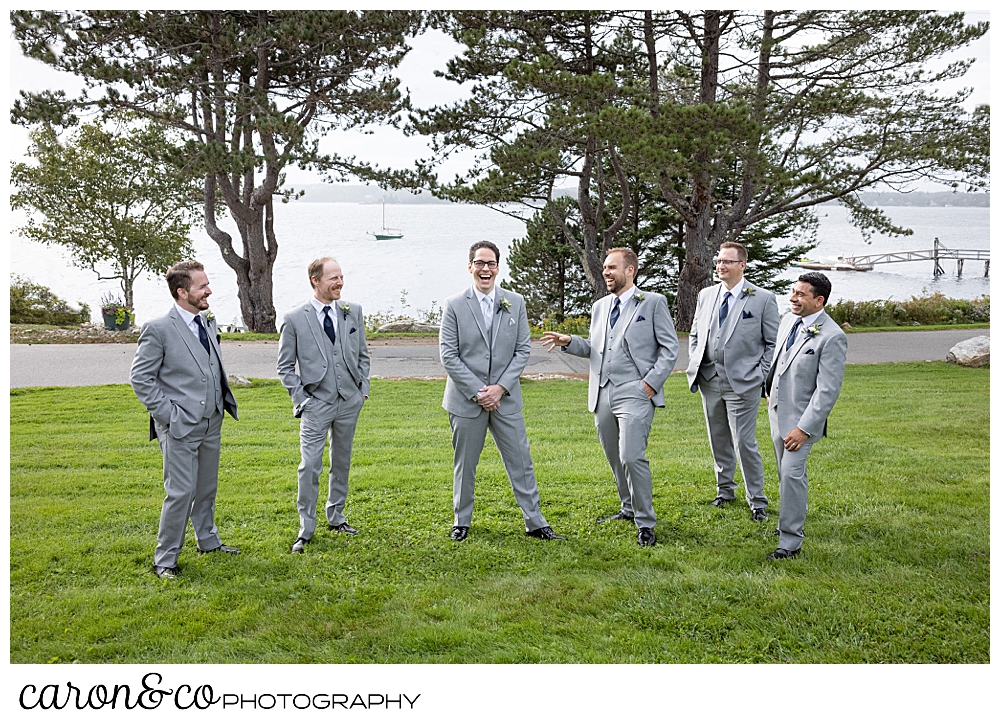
[326,337]
[730,351]
[485,344]
[632,349]
[177,374]
[802,387]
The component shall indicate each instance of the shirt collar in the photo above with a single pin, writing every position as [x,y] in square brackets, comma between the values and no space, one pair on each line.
[806,321]
[318,305]
[187,316]
[480,296]
[626,295]
[735,291]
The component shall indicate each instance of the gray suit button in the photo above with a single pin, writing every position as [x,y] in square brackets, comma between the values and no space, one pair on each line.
[203,402]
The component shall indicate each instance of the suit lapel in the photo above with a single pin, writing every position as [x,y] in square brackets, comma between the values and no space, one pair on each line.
[629,312]
[497,316]
[735,313]
[800,340]
[342,329]
[312,322]
[477,313]
[185,333]
[602,309]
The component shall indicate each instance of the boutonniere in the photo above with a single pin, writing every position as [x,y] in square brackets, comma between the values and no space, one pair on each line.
[812,330]
[639,296]
[346,309]
[505,304]
[209,315]
[748,292]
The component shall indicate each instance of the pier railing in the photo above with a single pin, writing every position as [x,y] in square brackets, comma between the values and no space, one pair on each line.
[936,254]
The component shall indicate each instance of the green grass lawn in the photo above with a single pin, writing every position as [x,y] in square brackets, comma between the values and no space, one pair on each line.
[895,566]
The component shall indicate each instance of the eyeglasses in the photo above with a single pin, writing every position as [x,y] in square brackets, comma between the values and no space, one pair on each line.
[727,262]
[480,264]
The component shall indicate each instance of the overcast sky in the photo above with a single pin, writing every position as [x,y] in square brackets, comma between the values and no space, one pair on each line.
[388,146]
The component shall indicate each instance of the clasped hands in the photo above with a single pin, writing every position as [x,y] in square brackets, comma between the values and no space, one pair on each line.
[489,397]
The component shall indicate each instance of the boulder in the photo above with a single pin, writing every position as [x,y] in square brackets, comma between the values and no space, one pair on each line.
[408,325]
[237,381]
[846,325]
[973,352]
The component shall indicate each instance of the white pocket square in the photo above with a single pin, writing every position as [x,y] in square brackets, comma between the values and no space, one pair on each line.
[510,321]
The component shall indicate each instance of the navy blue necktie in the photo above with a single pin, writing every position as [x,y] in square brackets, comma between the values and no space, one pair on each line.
[791,337]
[724,309]
[328,325]
[202,335]
[615,311]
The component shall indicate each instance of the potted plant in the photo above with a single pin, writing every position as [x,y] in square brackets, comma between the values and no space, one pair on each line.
[116,315]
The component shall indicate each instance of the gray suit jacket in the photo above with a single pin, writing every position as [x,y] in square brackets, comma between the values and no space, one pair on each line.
[472,363]
[649,340]
[805,384]
[748,344]
[170,376]
[304,341]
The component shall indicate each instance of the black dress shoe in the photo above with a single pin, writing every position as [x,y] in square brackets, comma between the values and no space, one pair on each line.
[299,546]
[620,515]
[343,528]
[545,533]
[222,549]
[720,501]
[782,553]
[459,533]
[647,537]
[166,571]
[759,516]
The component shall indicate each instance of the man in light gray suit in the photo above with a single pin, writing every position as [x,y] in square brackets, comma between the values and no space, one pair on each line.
[632,349]
[485,344]
[326,337]
[177,374]
[802,387]
[730,351]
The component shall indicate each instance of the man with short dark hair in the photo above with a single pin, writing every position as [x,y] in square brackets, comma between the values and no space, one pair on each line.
[802,387]
[326,338]
[485,344]
[632,349]
[177,374]
[730,350]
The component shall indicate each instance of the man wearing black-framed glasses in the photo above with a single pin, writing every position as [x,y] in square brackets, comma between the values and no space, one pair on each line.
[730,349]
[485,343]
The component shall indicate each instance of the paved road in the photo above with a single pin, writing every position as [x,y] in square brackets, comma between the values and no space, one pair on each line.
[73,365]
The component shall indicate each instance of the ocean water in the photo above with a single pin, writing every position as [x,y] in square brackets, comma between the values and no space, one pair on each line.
[429,263]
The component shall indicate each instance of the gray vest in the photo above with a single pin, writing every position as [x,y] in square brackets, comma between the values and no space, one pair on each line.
[616,365]
[214,399]
[337,382]
[713,363]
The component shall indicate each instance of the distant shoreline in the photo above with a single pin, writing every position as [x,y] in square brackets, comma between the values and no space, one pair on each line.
[360,194]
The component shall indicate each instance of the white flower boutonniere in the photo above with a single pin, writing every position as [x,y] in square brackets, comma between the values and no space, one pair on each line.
[639,296]
[748,292]
[346,309]
[812,330]
[505,304]
[209,315]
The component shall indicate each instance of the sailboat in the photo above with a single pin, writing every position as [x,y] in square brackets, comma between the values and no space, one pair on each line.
[387,233]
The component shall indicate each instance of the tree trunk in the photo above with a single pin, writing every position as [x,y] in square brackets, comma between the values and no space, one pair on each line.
[253,269]
[703,234]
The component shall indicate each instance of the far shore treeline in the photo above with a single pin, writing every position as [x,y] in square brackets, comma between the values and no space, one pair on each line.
[365,194]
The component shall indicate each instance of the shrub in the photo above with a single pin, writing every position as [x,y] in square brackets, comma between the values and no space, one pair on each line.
[932,309]
[32,303]
[569,325]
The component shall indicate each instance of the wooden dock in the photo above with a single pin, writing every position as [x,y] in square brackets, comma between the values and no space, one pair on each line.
[936,254]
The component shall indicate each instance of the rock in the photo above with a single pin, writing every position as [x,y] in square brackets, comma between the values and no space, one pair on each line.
[973,352]
[846,325]
[237,381]
[408,325]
